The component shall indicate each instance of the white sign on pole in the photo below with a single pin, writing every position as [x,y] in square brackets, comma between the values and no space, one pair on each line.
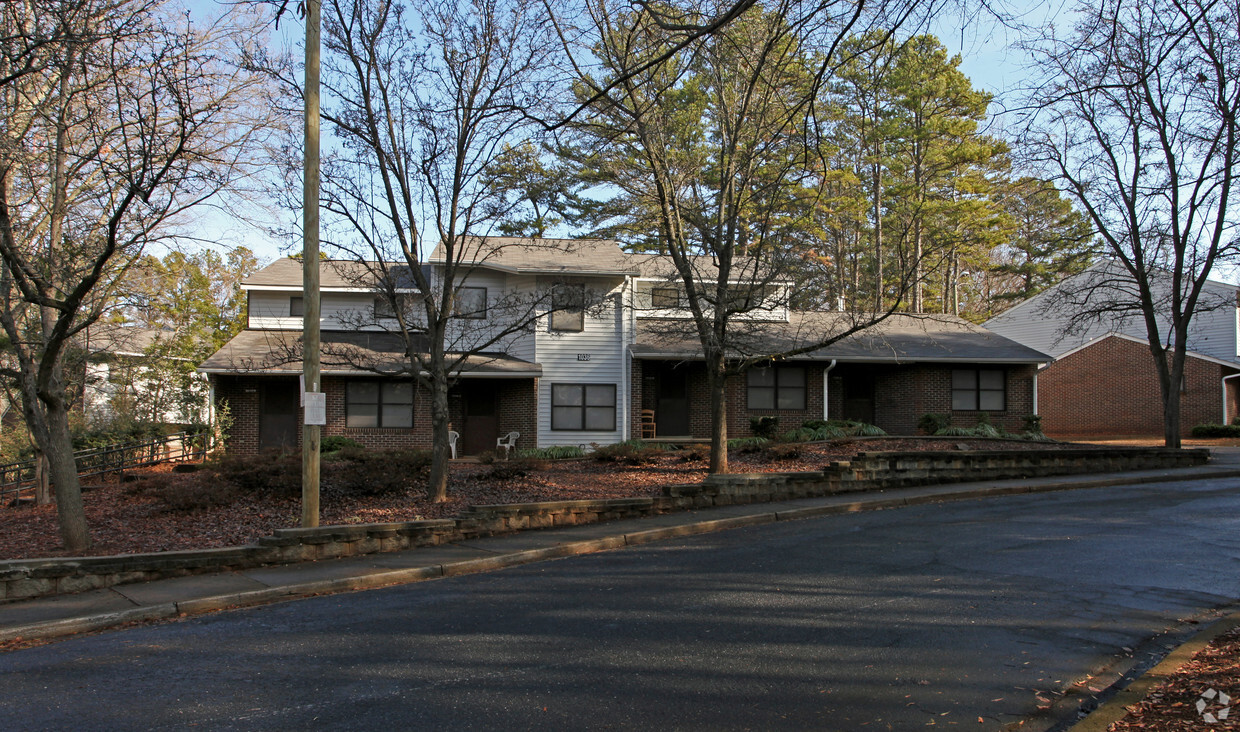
[316,408]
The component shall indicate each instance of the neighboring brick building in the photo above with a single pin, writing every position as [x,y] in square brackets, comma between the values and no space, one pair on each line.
[1083,394]
[1103,380]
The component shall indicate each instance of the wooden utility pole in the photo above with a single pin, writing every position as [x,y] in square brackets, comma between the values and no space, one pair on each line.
[310,273]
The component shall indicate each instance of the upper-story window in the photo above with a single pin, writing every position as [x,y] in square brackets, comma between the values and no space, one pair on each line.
[297,306]
[568,310]
[979,390]
[665,297]
[383,306]
[471,302]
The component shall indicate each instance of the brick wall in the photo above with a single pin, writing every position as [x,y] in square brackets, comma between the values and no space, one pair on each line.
[240,394]
[1111,388]
[517,410]
[902,394]
[739,412]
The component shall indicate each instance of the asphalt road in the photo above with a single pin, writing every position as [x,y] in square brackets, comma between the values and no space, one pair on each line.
[951,614]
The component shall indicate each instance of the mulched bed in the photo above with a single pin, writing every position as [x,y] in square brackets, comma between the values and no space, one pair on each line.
[123,520]
[1172,706]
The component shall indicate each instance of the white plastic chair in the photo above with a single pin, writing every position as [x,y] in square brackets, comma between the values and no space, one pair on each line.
[507,443]
[452,438]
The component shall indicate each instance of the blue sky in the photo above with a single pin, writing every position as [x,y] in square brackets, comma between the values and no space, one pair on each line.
[987,50]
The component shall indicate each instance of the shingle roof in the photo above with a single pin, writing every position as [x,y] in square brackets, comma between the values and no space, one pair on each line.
[353,352]
[122,340]
[543,256]
[339,274]
[900,338]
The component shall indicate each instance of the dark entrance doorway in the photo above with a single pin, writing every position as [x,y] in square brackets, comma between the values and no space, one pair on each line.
[277,414]
[859,396]
[481,417]
[671,412]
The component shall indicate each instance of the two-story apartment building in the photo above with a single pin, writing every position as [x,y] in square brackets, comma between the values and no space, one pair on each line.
[582,376]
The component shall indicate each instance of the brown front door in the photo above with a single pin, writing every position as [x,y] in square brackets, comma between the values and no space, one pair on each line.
[481,428]
[859,397]
[671,413]
[277,414]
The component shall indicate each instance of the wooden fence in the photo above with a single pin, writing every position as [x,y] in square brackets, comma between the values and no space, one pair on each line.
[18,480]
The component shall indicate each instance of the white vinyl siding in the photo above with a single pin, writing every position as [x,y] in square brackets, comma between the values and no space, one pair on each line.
[594,356]
[1038,324]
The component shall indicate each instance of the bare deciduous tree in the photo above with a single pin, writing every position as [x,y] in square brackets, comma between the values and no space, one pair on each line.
[117,116]
[424,99]
[1138,121]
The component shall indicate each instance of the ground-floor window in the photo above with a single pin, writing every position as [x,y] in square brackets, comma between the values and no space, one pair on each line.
[979,390]
[378,404]
[583,407]
[777,387]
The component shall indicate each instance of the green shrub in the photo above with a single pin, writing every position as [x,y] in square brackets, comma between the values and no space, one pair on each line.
[985,429]
[629,452]
[362,472]
[861,429]
[335,443]
[934,424]
[801,434]
[766,426]
[1033,423]
[270,473]
[555,452]
[1216,430]
[953,431]
[748,444]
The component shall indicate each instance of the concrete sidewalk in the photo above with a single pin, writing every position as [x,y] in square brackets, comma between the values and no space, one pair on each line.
[171,598]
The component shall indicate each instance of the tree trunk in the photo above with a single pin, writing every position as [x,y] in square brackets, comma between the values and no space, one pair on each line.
[1170,377]
[42,481]
[63,469]
[716,383]
[437,489]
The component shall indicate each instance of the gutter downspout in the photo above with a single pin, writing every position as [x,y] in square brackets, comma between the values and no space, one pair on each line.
[627,353]
[1035,390]
[1224,384]
[826,408]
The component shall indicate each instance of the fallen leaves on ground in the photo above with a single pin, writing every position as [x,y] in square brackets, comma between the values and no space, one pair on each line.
[1203,686]
[124,521]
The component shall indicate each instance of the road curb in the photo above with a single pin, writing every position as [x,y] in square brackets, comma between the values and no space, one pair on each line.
[374,580]
[1114,709]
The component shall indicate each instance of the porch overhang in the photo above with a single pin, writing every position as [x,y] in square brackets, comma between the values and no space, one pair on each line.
[278,353]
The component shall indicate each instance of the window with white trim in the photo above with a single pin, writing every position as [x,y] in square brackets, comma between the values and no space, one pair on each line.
[471,302]
[568,303]
[378,404]
[776,387]
[979,390]
[583,407]
[665,297]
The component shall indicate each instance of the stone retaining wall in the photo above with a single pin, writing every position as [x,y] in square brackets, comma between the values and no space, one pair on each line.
[25,578]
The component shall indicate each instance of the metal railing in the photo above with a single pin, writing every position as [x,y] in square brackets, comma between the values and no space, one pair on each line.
[19,479]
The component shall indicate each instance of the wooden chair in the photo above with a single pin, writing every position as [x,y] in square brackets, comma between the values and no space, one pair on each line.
[507,443]
[648,429]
